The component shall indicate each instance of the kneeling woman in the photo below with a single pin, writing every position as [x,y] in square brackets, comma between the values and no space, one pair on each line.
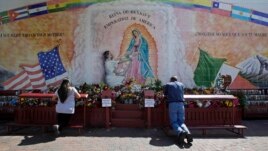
[65,107]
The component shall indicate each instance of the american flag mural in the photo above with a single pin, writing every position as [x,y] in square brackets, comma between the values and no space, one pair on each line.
[49,71]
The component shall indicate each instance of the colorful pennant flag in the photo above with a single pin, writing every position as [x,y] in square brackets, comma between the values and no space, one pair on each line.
[207,69]
[19,13]
[38,9]
[4,17]
[56,6]
[259,18]
[48,72]
[241,13]
[220,8]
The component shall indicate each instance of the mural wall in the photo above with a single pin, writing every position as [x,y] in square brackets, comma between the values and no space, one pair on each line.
[205,43]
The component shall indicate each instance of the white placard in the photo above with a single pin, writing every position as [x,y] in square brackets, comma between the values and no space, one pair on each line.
[149,102]
[106,102]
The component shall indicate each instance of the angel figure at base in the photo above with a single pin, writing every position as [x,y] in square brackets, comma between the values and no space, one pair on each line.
[113,77]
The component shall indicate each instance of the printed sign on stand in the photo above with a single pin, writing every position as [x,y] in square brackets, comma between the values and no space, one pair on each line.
[106,102]
[149,102]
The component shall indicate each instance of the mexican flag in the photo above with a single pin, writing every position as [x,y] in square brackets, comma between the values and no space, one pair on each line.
[207,69]
[226,75]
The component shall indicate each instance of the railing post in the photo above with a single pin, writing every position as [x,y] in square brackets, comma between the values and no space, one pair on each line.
[107,94]
[148,94]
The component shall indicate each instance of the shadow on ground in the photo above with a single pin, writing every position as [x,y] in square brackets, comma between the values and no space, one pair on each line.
[157,136]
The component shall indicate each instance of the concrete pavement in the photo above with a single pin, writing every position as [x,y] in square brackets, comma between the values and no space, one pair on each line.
[129,139]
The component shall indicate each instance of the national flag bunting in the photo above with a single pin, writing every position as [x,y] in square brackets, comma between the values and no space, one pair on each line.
[220,8]
[38,9]
[48,72]
[4,17]
[206,3]
[259,18]
[207,69]
[56,5]
[19,13]
[241,13]
[202,5]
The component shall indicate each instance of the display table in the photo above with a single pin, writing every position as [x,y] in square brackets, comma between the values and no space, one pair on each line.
[42,112]
[221,117]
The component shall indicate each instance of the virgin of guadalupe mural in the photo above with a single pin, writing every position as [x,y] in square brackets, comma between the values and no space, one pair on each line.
[138,53]
[134,62]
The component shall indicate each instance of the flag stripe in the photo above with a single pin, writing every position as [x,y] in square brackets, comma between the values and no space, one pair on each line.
[221,12]
[55,79]
[238,13]
[241,9]
[241,13]
[201,8]
[15,79]
[22,16]
[40,86]
[37,5]
[16,82]
[224,6]
[202,2]
[259,18]
[21,85]
[26,87]
[38,81]
[35,75]
[240,17]
[31,68]
[21,10]
[259,14]
[38,9]
[259,22]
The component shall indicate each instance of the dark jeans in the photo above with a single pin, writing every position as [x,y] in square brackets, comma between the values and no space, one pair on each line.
[63,120]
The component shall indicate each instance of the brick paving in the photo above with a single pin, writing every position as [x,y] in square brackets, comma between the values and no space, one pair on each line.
[129,139]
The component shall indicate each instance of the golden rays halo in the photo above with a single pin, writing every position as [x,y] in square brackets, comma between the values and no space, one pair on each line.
[151,44]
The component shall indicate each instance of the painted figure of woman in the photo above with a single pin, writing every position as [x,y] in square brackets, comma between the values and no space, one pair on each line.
[111,76]
[138,53]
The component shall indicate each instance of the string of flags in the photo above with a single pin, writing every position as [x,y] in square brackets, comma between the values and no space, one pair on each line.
[215,7]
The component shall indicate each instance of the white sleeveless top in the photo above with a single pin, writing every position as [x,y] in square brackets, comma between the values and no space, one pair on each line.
[68,107]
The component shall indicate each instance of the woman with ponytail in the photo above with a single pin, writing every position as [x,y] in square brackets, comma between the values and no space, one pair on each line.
[65,107]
